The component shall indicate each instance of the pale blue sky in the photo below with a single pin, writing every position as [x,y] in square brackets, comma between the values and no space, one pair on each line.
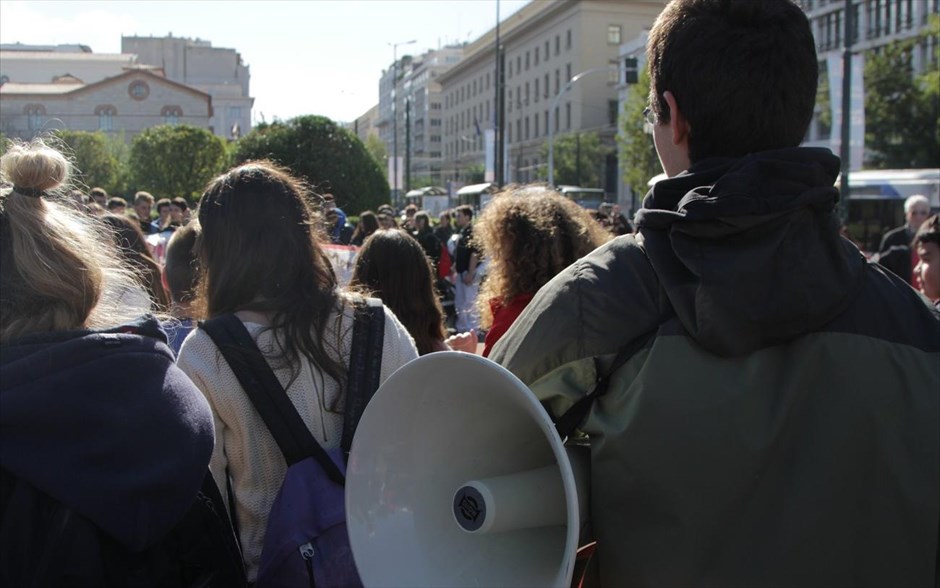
[306,56]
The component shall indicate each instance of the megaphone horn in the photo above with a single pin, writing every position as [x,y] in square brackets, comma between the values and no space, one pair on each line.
[457,477]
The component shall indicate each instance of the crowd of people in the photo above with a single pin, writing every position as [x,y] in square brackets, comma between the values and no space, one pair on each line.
[773,401]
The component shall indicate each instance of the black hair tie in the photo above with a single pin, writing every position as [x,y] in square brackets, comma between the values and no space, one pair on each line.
[31,192]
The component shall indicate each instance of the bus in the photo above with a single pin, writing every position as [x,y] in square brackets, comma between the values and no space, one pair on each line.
[876,201]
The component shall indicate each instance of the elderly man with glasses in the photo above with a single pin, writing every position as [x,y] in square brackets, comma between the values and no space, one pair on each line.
[895,252]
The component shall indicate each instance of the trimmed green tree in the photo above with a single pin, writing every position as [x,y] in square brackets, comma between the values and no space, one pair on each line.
[95,164]
[638,160]
[578,160]
[176,160]
[330,158]
[902,110]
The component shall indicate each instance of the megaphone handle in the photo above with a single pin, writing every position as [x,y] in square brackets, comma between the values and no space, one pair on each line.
[581,561]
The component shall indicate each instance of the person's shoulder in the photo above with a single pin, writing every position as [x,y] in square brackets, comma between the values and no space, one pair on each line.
[896,236]
[885,307]
[591,308]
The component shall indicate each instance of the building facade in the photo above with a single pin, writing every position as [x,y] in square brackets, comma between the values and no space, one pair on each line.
[876,23]
[218,72]
[410,115]
[546,44]
[123,105]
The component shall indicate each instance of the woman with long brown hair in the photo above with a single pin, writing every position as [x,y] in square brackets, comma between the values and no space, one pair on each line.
[261,258]
[393,266]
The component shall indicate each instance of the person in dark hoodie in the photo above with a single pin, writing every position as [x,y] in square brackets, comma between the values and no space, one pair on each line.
[775,413]
[93,411]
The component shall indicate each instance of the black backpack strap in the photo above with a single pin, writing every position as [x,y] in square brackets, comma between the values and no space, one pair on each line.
[365,365]
[574,416]
[266,393]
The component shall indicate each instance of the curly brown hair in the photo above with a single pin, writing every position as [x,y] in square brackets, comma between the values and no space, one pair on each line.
[528,234]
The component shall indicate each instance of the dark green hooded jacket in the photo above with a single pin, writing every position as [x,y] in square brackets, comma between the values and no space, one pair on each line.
[781,424]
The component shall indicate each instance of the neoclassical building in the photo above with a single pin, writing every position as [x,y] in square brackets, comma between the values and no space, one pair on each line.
[124,105]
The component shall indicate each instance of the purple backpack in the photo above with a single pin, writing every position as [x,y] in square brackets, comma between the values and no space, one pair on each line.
[306,543]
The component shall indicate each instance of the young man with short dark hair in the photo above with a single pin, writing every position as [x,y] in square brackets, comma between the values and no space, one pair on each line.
[163,215]
[117,205]
[775,413]
[99,196]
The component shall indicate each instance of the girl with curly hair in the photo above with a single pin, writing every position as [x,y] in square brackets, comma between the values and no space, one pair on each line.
[527,234]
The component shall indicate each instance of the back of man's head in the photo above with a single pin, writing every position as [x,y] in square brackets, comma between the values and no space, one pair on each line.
[743,73]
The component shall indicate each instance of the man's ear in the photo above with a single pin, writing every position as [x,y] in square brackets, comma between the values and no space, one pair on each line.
[678,124]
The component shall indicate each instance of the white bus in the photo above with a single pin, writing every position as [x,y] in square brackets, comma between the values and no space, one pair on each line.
[876,201]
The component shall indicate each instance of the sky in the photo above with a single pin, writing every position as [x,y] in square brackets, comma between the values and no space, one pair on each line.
[306,56]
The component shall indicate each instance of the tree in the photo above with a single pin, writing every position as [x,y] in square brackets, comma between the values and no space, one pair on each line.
[95,164]
[579,160]
[902,111]
[176,160]
[329,157]
[638,158]
[377,149]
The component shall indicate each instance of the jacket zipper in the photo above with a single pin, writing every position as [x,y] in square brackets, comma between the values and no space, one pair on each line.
[306,552]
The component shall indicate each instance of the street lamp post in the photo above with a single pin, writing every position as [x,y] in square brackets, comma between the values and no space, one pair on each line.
[551,116]
[395,47]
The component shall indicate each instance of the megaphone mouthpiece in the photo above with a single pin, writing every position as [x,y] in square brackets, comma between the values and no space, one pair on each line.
[534,498]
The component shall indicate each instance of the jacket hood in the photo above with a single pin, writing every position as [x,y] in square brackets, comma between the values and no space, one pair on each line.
[107,424]
[730,240]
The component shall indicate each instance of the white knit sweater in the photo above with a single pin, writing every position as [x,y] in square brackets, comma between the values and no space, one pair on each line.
[243,446]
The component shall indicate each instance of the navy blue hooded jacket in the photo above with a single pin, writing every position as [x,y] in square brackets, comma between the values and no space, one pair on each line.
[107,424]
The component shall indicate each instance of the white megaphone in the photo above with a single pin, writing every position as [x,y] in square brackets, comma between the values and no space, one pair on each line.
[456,477]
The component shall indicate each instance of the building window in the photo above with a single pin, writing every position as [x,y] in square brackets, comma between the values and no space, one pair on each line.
[526,128]
[612,108]
[106,115]
[518,63]
[567,72]
[536,55]
[510,69]
[518,129]
[536,89]
[613,34]
[557,45]
[546,50]
[546,121]
[35,113]
[567,116]
[138,90]
[557,80]
[509,134]
[527,61]
[568,40]
[546,86]
[510,100]
[613,75]
[171,115]
[535,122]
